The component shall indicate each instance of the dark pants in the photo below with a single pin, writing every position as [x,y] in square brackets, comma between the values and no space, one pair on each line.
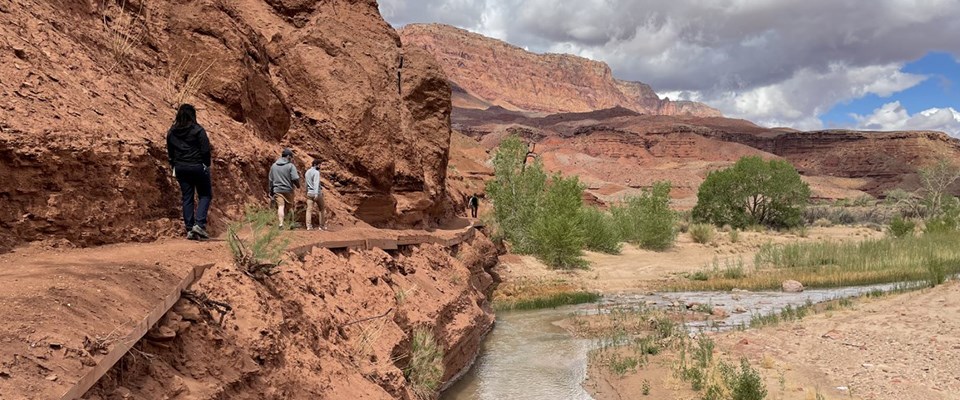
[194,179]
[473,211]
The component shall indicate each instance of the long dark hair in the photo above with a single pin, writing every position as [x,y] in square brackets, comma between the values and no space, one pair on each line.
[186,116]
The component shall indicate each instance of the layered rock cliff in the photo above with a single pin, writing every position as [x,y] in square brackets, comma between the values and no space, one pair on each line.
[617,151]
[88,90]
[500,74]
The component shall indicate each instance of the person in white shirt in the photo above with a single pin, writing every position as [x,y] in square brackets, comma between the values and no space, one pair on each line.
[314,196]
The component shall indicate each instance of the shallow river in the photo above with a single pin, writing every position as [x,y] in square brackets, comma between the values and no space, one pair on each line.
[528,357]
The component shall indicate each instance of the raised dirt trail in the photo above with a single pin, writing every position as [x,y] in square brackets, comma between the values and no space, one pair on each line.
[57,302]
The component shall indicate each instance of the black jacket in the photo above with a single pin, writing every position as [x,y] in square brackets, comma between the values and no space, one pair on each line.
[188,146]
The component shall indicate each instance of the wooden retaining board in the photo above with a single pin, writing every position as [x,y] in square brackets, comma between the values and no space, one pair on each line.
[124,345]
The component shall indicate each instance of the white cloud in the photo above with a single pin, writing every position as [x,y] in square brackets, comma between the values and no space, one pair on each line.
[785,58]
[797,101]
[893,116]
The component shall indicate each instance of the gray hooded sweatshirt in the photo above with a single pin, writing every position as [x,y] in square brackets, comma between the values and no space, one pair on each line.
[283,176]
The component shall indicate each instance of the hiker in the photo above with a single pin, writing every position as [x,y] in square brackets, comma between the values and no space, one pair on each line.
[188,150]
[314,195]
[283,178]
[474,203]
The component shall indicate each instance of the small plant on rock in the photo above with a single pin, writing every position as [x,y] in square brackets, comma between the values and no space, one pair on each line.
[426,364]
[261,252]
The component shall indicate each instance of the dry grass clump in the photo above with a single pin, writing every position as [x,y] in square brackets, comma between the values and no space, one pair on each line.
[123,33]
[702,233]
[185,79]
[426,364]
[932,257]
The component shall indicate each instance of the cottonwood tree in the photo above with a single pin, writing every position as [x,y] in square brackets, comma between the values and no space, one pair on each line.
[933,198]
[753,191]
[935,182]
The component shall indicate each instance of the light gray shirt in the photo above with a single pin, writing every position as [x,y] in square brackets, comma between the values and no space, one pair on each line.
[313,182]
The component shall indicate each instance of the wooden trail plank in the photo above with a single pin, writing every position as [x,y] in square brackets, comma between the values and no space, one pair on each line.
[383,244]
[124,345]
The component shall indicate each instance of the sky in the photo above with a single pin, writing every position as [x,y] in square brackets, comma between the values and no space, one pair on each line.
[805,64]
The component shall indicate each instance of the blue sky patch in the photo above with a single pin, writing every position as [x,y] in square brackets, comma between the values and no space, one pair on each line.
[941,89]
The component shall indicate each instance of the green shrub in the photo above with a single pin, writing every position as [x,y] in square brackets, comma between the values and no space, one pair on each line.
[753,191]
[647,220]
[702,233]
[948,220]
[426,364]
[552,300]
[699,276]
[745,384]
[601,231]
[901,227]
[557,234]
[800,231]
[734,271]
[734,236]
[259,253]
[937,272]
[864,201]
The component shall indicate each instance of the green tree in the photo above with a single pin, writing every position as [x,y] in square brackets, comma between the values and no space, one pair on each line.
[647,220]
[516,192]
[753,191]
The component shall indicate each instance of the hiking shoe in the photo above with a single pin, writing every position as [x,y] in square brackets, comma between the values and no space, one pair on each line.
[192,236]
[200,232]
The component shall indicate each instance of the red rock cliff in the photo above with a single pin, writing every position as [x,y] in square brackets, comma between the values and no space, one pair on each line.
[88,91]
[505,75]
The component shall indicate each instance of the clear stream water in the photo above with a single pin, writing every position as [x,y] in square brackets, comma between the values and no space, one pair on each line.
[528,357]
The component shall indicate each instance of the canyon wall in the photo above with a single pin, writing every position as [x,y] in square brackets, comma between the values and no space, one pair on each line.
[89,89]
[492,72]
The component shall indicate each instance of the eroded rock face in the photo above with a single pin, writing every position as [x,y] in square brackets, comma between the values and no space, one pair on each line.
[333,327]
[491,72]
[83,118]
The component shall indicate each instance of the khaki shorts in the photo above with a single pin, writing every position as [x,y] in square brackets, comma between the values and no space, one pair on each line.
[283,198]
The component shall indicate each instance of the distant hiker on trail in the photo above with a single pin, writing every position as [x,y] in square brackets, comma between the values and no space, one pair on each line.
[283,178]
[188,150]
[314,195]
[474,203]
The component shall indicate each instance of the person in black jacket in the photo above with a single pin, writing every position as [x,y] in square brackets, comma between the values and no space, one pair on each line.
[189,151]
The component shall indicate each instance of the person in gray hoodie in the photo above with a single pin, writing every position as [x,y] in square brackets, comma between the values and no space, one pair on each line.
[283,178]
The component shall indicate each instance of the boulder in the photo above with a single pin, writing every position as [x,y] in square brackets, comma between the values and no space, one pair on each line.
[791,286]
